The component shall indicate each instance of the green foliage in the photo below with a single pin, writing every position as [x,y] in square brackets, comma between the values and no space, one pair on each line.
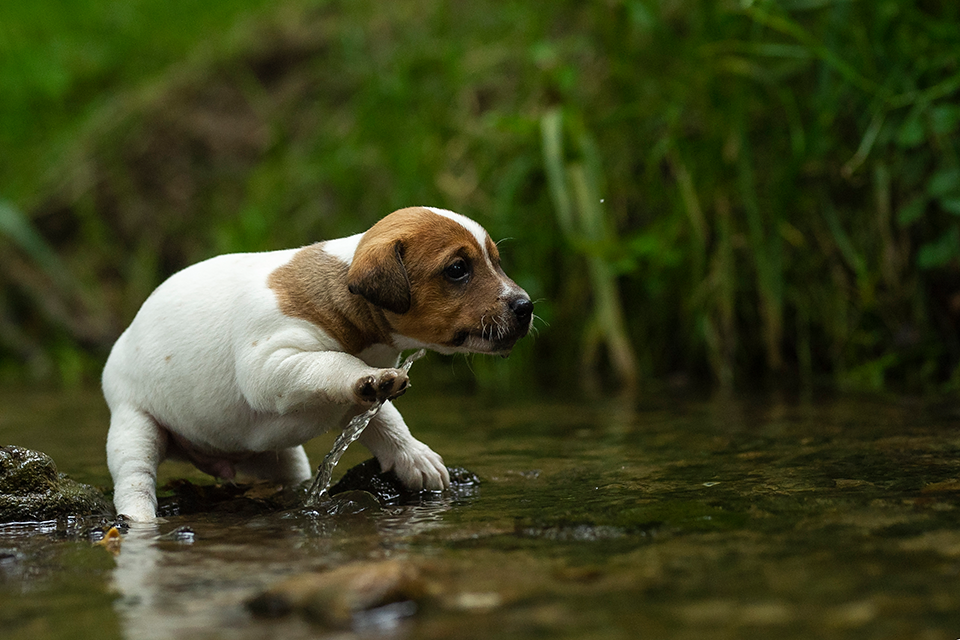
[575,187]
[62,61]
[16,228]
[780,181]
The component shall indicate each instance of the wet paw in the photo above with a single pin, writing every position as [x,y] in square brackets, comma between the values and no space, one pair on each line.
[386,384]
[420,468]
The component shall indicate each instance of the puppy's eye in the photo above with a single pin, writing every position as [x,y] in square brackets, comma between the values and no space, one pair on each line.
[458,271]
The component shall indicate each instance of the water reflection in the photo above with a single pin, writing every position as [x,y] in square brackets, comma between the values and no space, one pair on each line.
[184,577]
[670,518]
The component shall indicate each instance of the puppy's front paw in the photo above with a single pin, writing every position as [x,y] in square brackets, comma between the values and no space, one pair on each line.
[419,468]
[386,384]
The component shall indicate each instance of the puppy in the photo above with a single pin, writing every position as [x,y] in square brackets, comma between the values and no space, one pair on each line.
[235,362]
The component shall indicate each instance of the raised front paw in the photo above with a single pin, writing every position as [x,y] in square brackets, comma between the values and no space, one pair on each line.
[386,384]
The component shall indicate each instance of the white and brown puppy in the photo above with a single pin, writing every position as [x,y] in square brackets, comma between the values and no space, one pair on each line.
[234,362]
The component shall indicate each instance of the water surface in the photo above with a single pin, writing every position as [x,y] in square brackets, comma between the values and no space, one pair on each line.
[663,518]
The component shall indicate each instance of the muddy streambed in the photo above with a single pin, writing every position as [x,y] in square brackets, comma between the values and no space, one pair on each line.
[663,518]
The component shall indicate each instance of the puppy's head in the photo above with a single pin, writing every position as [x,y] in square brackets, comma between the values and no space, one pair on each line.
[437,277]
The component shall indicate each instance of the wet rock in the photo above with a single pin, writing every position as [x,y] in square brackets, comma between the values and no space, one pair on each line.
[181,535]
[387,488]
[181,497]
[343,597]
[362,488]
[32,490]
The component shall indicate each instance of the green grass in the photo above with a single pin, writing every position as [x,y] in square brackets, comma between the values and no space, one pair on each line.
[744,191]
[62,61]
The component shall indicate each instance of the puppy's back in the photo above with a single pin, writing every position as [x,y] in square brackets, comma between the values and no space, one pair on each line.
[179,347]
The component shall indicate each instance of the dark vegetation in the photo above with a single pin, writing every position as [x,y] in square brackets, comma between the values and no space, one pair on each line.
[739,191]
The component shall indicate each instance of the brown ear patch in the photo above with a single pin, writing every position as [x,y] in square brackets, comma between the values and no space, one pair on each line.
[379,276]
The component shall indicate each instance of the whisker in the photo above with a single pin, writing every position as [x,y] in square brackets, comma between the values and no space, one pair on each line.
[468,358]
[501,327]
[535,318]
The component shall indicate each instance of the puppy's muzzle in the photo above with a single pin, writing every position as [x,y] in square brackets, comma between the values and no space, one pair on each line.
[522,309]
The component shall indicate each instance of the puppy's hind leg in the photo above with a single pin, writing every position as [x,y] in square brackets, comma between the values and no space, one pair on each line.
[287,466]
[136,445]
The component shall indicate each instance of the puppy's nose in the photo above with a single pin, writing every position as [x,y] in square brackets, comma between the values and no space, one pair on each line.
[522,308]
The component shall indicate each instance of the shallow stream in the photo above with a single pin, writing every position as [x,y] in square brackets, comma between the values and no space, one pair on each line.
[670,517]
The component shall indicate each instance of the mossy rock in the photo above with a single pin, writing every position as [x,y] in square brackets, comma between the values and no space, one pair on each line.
[32,490]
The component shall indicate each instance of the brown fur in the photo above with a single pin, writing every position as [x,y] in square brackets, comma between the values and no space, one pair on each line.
[439,310]
[313,287]
[396,284]
[381,277]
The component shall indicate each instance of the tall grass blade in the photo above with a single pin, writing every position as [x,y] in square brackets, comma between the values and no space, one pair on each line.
[575,190]
[691,205]
[551,128]
[16,228]
[608,306]
[765,250]
[815,46]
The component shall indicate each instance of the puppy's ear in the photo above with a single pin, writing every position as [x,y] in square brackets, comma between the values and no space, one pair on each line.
[377,273]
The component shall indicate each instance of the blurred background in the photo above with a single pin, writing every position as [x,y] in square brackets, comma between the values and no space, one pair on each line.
[726,192]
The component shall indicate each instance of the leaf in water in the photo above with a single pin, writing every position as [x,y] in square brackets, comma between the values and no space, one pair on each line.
[111,541]
[941,251]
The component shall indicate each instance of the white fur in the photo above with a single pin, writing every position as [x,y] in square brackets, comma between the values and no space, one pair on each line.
[343,248]
[211,358]
[481,235]
[211,364]
[470,225]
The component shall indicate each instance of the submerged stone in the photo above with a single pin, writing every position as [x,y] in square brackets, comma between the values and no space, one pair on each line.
[387,488]
[363,488]
[341,597]
[571,532]
[32,490]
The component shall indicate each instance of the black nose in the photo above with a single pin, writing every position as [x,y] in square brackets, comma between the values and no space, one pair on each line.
[522,308]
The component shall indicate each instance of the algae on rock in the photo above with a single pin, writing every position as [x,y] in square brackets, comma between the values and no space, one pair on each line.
[31,489]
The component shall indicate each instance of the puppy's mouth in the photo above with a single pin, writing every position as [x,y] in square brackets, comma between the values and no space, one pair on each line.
[491,337]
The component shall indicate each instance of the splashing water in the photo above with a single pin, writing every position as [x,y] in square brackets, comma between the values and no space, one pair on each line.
[350,433]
